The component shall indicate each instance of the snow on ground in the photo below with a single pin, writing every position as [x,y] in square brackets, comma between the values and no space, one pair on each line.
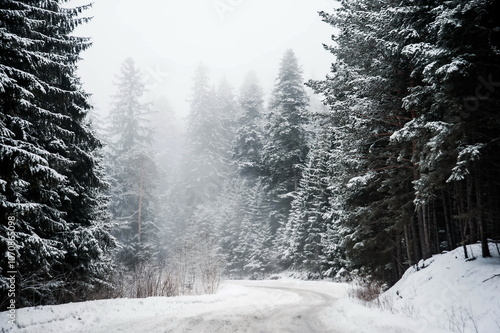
[450,292]
[429,300]
[240,306]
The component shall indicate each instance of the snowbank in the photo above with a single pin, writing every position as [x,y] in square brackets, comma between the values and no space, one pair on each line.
[112,315]
[450,292]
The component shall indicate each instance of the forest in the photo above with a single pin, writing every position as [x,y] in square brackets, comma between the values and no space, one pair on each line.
[394,156]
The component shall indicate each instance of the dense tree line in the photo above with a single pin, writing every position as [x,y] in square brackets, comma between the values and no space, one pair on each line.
[413,90]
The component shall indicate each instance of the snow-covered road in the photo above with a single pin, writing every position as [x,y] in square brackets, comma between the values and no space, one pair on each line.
[278,306]
[272,307]
[240,306]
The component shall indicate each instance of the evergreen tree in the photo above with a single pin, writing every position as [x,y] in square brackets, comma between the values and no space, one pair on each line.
[253,253]
[50,186]
[167,145]
[133,169]
[370,89]
[285,148]
[309,217]
[228,111]
[248,248]
[207,145]
[211,197]
[249,134]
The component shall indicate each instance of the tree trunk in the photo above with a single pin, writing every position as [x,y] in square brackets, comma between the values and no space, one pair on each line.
[409,245]
[480,221]
[461,216]
[422,227]
[449,233]
[435,229]
[141,195]
[399,256]
[417,249]
[470,213]
[424,231]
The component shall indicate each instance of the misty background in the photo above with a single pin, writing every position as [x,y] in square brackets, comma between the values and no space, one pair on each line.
[169,39]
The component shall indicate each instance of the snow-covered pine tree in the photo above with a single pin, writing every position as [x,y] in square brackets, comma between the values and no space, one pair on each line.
[228,110]
[309,218]
[246,241]
[167,145]
[249,133]
[207,147]
[254,255]
[285,149]
[50,187]
[133,169]
[211,197]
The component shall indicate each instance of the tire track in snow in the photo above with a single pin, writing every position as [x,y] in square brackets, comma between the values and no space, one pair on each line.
[278,309]
[299,317]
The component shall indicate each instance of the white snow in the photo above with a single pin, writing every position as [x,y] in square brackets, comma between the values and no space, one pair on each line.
[439,298]
[451,292]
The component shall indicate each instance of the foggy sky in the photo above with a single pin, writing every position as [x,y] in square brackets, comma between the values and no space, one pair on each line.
[168,39]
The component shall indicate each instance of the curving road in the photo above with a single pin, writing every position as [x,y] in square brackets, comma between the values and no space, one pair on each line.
[239,306]
[268,307]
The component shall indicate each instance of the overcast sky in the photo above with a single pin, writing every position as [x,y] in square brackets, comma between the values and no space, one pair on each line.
[169,38]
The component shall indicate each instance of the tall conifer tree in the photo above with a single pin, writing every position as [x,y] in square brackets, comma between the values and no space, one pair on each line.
[133,168]
[49,176]
[285,148]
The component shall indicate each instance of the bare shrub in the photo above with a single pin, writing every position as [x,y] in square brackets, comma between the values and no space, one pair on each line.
[192,268]
[366,291]
[385,304]
[197,267]
[462,320]
[143,280]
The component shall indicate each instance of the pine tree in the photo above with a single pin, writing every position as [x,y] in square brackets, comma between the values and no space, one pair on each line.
[285,148]
[253,251]
[309,217]
[133,168]
[207,145]
[249,134]
[167,145]
[379,189]
[50,186]
[210,195]
[247,247]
